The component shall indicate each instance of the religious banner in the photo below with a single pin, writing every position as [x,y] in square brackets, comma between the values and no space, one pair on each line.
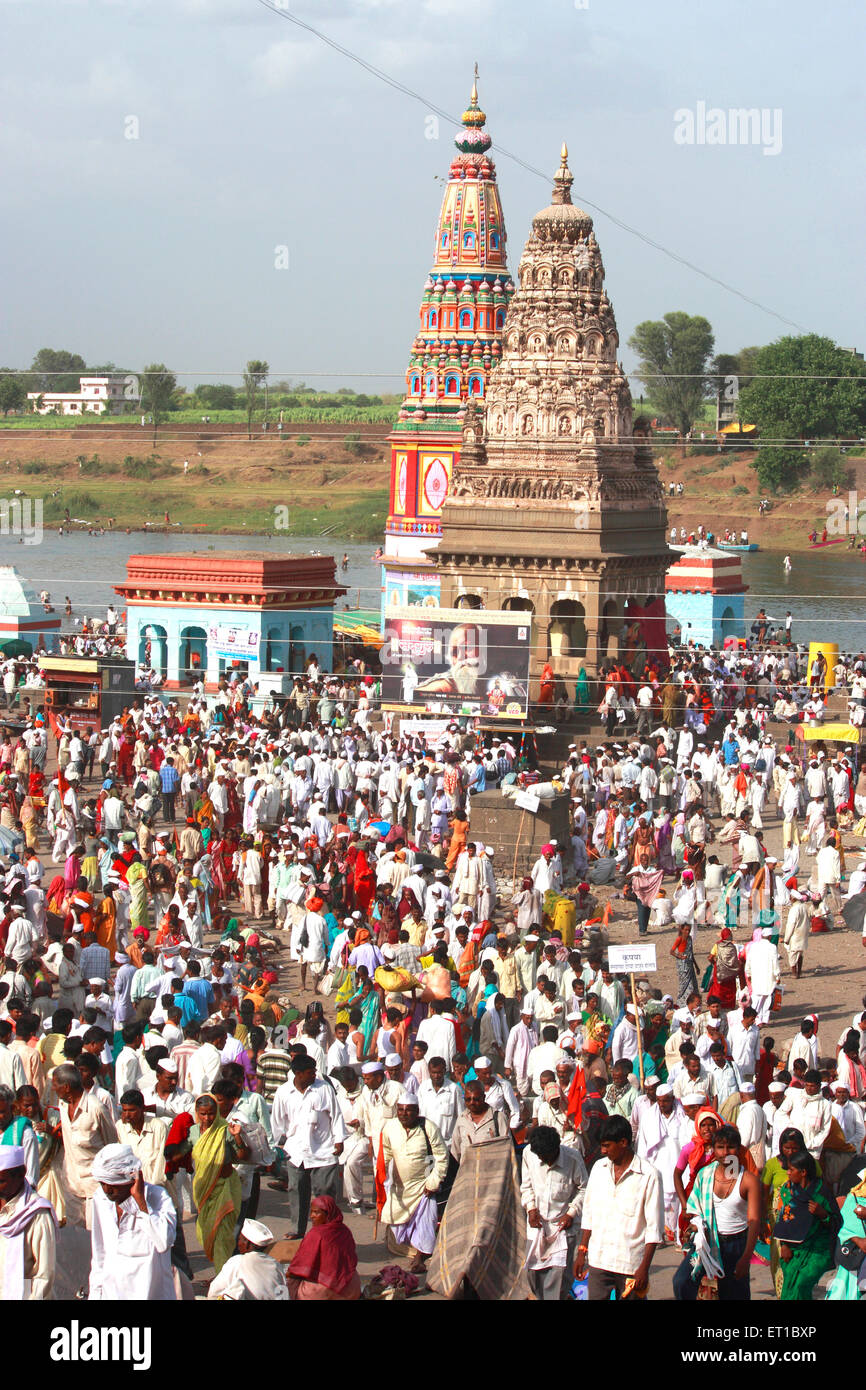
[236,643]
[456,661]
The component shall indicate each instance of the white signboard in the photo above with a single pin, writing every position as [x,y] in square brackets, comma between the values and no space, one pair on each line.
[528,800]
[433,731]
[238,643]
[631,960]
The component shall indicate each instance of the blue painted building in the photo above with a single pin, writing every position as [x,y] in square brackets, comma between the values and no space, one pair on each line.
[705,595]
[208,614]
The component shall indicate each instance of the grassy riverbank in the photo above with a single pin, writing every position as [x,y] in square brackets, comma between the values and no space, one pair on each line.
[263,486]
[333,481]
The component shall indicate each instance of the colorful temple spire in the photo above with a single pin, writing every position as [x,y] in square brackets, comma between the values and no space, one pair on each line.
[459,341]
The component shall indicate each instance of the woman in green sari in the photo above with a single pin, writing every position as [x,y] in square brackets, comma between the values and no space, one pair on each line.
[581,692]
[216,1187]
[846,1286]
[804,1229]
[366,999]
[136,878]
[773,1179]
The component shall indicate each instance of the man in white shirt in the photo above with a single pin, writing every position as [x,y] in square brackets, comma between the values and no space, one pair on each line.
[438,1033]
[315,953]
[828,868]
[308,1124]
[775,1117]
[744,1042]
[127,1068]
[546,1056]
[623,1216]
[204,1065]
[552,1190]
[440,1100]
[498,1092]
[848,1116]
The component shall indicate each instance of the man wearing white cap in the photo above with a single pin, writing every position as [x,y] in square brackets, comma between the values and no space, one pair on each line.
[797,930]
[647,1098]
[86,1127]
[776,1118]
[133,1230]
[522,1041]
[251,1274]
[848,1116]
[658,1140]
[487,890]
[377,1105]
[415,1154]
[752,1124]
[28,1227]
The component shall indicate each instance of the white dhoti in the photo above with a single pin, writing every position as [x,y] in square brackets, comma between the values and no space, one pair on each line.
[761,1003]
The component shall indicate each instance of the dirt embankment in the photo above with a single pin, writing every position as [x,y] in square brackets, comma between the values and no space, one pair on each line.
[721,490]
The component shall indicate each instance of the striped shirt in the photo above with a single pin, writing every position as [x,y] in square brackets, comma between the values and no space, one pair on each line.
[273,1070]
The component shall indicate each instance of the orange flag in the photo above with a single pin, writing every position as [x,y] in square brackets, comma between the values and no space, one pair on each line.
[381,1175]
[576,1094]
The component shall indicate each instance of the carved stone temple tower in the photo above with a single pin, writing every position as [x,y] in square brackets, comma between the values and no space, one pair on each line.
[555,506]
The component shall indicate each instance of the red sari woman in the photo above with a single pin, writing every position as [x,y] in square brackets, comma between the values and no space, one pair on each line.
[547,685]
[363,881]
[726,969]
[325,1268]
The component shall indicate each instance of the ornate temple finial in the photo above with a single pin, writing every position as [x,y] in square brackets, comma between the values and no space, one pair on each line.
[563,179]
[474,116]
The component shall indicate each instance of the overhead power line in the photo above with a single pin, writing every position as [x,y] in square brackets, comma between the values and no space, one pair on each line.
[410,92]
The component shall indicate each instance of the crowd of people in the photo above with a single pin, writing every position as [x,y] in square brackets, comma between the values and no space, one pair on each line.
[187,872]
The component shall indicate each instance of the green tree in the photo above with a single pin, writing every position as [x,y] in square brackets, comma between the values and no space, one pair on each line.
[814,388]
[779,469]
[157,387]
[802,388]
[829,468]
[674,365]
[218,397]
[51,365]
[255,376]
[13,392]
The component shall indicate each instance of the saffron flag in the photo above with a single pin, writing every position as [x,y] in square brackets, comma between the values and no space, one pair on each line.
[381,1175]
[576,1096]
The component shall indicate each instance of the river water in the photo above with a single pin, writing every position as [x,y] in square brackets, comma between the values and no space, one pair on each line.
[825,590]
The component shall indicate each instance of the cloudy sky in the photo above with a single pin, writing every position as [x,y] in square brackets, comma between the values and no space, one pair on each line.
[157,154]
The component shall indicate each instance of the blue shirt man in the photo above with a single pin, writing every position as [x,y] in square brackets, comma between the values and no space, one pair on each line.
[188,1008]
[201,992]
[168,778]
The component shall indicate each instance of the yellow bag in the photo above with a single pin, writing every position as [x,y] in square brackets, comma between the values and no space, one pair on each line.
[394,981]
[563,919]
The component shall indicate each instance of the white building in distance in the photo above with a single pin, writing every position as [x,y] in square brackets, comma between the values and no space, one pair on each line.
[95,396]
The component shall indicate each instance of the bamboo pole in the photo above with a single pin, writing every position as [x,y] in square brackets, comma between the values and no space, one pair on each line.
[637,1025]
[516,848]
